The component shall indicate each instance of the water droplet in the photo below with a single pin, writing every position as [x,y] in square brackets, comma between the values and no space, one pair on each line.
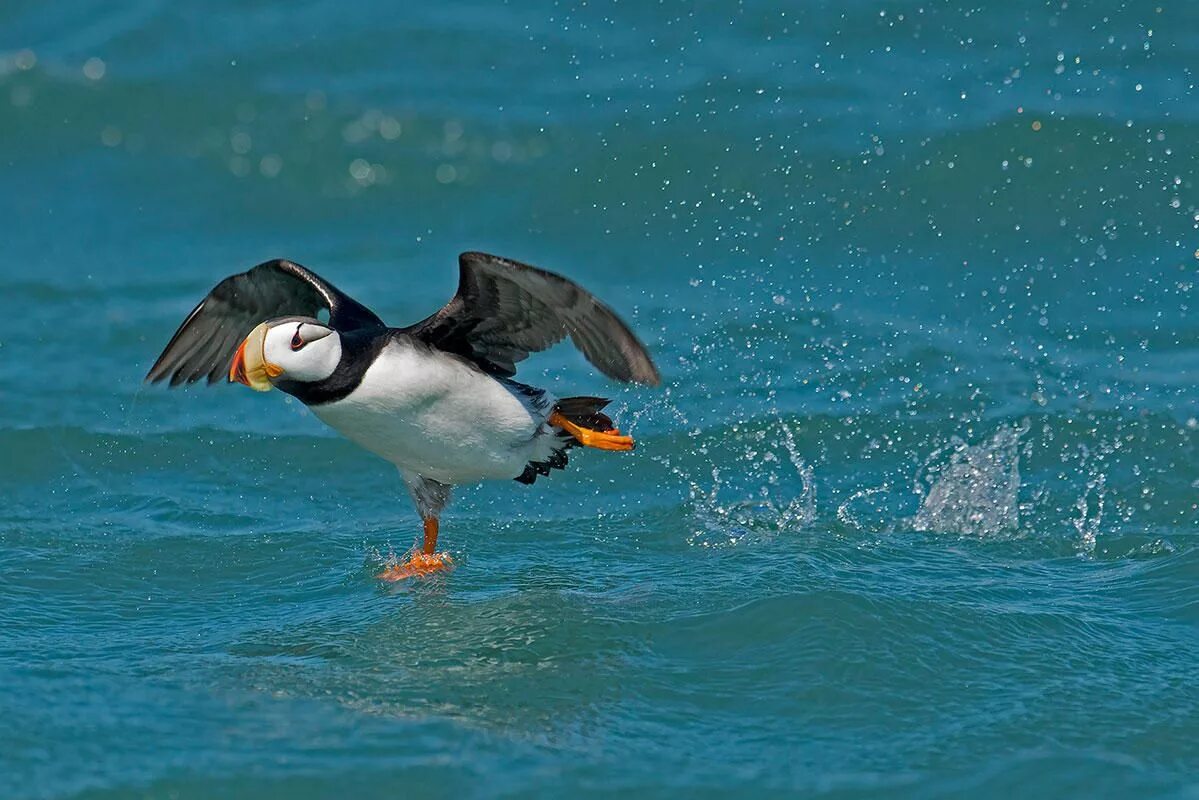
[270,165]
[390,128]
[360,170]
[241,142]
[94,69]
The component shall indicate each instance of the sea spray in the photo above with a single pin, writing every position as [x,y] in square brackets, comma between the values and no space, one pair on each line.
[975,491]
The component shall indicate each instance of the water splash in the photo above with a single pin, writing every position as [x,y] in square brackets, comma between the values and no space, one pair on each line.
[772,491]
[974,492]
[867,510]
[1090,516]
[726,522]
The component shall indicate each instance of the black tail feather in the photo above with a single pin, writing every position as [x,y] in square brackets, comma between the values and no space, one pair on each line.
[585,412]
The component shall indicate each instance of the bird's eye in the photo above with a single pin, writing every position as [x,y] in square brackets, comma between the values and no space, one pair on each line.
[296,341]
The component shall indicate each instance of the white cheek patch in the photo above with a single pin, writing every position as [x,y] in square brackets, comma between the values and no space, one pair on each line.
[277,344]
[314,361]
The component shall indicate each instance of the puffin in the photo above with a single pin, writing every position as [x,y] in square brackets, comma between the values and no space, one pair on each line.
[438,399]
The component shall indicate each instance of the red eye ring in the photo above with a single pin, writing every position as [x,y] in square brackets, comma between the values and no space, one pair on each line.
[296,341]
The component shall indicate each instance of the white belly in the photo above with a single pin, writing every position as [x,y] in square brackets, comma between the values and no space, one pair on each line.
[438,417]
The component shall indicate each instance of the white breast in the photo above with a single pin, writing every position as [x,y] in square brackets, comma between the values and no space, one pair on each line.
[434,415]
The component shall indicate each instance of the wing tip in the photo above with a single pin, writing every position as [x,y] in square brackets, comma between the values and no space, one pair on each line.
[155,374]
[172,377]
[651,377]
[638,364]
[633,365]
[636,368]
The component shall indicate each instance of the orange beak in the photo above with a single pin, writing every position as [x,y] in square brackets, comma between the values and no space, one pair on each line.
[250,366]
[237,372]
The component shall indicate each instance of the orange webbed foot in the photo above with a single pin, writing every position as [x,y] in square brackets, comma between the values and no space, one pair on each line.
[611,439]
[417,566]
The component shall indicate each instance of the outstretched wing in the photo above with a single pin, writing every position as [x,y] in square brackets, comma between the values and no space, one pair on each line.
[205,343]
[505,310]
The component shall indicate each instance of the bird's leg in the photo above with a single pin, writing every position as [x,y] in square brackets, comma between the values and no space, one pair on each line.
[430,497]
[423,562]
[431,524]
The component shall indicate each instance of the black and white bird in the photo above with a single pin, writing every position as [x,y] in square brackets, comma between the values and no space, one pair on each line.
[437,398]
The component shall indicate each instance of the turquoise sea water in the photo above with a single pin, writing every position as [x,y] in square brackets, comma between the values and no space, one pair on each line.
[914,514]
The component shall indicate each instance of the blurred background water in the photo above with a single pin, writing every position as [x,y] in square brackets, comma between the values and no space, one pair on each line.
[914,514]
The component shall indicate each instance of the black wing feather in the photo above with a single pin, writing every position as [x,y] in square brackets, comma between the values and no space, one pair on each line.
[504,310]
[205,343]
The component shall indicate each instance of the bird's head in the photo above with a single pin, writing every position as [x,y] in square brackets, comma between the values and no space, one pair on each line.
[297,349]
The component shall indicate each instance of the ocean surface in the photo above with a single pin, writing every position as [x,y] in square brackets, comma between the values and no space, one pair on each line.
[913,515]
